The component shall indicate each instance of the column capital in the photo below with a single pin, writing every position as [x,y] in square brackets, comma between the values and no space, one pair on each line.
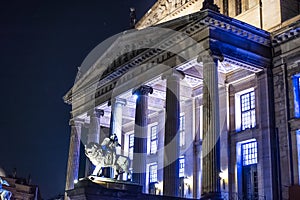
[96,113]
[211,56]
[76,122]
[143,90]
[173,73]
[117,100]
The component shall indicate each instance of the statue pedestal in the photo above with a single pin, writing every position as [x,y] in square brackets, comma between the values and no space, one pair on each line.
[98,188]
[104,189]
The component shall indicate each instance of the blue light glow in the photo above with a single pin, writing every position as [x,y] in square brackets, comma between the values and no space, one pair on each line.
[135,97]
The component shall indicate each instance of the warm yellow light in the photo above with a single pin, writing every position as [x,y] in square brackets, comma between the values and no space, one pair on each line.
[224,175]
[159,185]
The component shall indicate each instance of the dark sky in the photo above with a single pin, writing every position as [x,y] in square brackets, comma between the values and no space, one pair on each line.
[41,45]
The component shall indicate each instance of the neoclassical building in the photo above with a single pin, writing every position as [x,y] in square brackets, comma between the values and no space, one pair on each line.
[204,99]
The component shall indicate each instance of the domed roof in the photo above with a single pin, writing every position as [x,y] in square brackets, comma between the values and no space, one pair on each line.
[2,172]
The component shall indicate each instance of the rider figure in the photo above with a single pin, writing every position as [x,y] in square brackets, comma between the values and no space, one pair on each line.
[109,146]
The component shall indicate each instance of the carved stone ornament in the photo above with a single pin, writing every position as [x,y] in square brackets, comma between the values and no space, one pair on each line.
[143,90]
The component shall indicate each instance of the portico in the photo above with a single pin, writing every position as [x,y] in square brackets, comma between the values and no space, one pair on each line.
[183,116]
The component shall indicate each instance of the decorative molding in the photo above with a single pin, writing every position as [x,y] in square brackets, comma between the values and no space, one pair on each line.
[143,90]
[286,36]
[162,9]
[96,113]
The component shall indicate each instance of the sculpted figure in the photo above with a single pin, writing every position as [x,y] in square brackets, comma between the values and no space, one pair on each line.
[4,194]
[104,155]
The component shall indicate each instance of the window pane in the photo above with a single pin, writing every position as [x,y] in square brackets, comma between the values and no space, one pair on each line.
[248,110]
[182,132]
[153,140]
[249,153]
[153,173]
[181,166]
[131,143]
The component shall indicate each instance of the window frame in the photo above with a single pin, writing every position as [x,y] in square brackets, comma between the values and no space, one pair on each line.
[296,87]
[251,157]
[153,140]
[238,113]
[181,163]
[153,173]
[130,145]
[182,130]
[251,110]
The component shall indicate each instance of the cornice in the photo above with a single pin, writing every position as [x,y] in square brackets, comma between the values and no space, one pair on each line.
[289,34]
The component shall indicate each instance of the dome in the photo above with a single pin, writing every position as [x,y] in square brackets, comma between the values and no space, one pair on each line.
[2,172]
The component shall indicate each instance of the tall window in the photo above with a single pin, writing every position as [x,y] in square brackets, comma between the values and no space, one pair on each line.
[248,110]
[131,143]
[181,166]
[238,6]
[244,5]
[249,170]
[153,173]
[153,140]
[296,84]
[225,7]
[298,152]
[249,153]
[182,130]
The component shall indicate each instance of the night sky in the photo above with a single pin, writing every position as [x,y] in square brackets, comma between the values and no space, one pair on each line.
[41,45]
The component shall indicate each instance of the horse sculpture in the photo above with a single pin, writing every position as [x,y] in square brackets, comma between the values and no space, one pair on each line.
[4,194]
[104,155]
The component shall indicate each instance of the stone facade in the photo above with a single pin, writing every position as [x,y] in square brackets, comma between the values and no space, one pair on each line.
[217,109]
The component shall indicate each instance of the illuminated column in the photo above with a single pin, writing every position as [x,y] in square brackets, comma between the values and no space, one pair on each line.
[93,135]
[211,130]
[116,118]
[140,135]
[115,128]
[74,153]
[197,150]
[171,149]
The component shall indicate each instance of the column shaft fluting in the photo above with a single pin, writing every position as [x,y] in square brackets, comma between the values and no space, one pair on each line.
[140,135]
[172,135]
[211,129]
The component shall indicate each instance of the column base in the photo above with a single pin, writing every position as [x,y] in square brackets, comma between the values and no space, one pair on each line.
[212,196]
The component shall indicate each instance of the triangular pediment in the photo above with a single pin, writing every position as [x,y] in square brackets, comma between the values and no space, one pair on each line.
[166,10]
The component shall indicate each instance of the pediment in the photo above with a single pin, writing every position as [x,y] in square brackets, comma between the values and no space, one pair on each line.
[166,10]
